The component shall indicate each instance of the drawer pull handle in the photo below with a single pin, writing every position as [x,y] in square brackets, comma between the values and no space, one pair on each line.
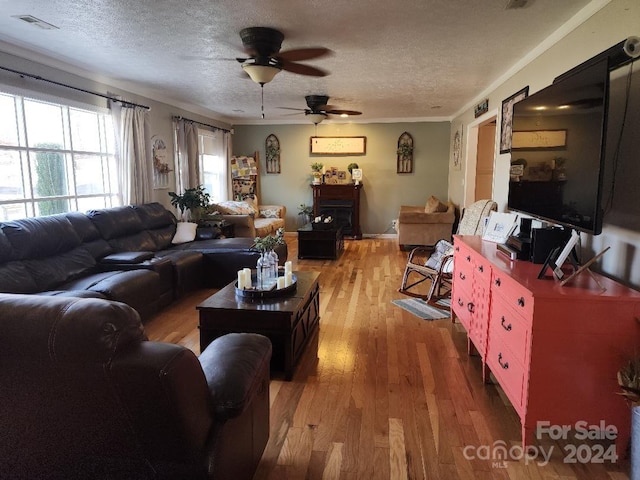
[481,268]
[504,365]
[457,249]
[521,301]
[462,276]
[497,282]
[468,258]
[471,307]
[506,327]
[460,303]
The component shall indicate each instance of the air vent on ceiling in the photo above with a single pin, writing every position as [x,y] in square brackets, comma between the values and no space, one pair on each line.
[36,22]
[513,4]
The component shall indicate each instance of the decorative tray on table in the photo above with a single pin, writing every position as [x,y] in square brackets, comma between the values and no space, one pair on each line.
[272,292]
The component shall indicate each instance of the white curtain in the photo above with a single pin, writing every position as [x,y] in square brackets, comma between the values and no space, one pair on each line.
[188,161]
[228,148]
[134,154]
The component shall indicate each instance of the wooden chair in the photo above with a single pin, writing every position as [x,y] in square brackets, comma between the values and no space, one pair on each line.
[429,263]
[435,263]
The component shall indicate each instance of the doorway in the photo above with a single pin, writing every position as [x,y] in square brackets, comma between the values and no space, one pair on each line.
[481,149]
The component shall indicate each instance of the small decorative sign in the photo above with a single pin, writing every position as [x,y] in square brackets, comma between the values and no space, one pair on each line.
[481,108]
[338,145]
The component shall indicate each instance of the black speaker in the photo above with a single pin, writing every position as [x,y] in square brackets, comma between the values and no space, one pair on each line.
[546,239]
[525,228]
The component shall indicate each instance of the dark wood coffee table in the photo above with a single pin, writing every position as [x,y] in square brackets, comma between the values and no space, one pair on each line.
[290,322]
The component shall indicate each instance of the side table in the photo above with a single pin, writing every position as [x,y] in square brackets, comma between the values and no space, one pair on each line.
[320,244]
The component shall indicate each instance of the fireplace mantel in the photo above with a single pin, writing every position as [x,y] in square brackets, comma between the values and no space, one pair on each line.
[341,201]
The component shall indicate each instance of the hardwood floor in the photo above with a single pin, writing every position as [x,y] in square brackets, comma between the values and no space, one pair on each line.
[390,396]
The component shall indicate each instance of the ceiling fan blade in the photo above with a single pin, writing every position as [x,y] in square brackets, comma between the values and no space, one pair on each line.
[343,112]
[290,108]
[300,54]
[301,69]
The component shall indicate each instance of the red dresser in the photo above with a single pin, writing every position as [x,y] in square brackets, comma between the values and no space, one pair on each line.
[555,350]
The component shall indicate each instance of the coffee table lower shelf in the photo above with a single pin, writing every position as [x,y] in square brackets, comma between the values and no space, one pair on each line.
[290,322]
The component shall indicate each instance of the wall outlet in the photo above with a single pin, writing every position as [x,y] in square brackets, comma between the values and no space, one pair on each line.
[394,224]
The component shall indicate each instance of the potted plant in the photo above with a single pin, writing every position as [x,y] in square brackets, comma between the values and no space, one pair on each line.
[193,203]
[305,211]
[351,166]
[316,171]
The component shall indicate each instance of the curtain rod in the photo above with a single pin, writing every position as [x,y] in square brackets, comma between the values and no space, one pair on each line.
[178,117]
[36,77]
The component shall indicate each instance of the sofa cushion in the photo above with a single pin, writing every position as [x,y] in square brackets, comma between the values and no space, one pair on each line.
[41,237]
[185,232]
[6,251]
[136,242]
[51,271]
[434,205]
[15,278]
[154,215]
[267,226]
[83,226]
[116,222]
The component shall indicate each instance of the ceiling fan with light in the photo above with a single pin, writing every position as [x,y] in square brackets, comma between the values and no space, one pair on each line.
[318,109]
[265,60]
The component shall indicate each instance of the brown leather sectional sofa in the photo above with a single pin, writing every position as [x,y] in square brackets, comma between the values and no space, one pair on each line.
[122,253]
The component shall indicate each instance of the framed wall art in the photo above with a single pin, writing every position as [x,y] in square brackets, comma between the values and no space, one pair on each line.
[457,149]
[272,154]
[338,145]
[506,122]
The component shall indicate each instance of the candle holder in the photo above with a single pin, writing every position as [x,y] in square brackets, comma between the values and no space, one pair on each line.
[257,293]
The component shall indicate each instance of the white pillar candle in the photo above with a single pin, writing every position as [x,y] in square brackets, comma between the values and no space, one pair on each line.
[240,279]
[288,279]
[247,277]
[281,282]
[287,266]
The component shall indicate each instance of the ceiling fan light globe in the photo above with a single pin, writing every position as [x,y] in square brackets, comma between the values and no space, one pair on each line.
[316,117]
[260,73]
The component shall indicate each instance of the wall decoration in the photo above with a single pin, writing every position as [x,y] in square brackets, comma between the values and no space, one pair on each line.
[161,168]
[506,122]
[539,139]
[405,153]
[272,154]
[338,145]
[457,149]
[481,108]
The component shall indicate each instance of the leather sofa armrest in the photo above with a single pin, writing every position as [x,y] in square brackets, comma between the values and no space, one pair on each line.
[234,366]
[244,225]
[126,258]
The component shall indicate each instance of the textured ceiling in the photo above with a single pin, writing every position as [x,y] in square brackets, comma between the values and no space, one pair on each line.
[392,60]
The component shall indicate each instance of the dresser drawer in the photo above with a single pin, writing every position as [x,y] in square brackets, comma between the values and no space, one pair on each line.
[510,329]
[513,294]
[460,304]
[508,371]
[463,268]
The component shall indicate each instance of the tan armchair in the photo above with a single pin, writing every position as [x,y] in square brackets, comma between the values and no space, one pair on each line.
[251,223]
[418,225]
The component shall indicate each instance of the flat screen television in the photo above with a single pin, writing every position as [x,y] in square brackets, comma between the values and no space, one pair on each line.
[557,150]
